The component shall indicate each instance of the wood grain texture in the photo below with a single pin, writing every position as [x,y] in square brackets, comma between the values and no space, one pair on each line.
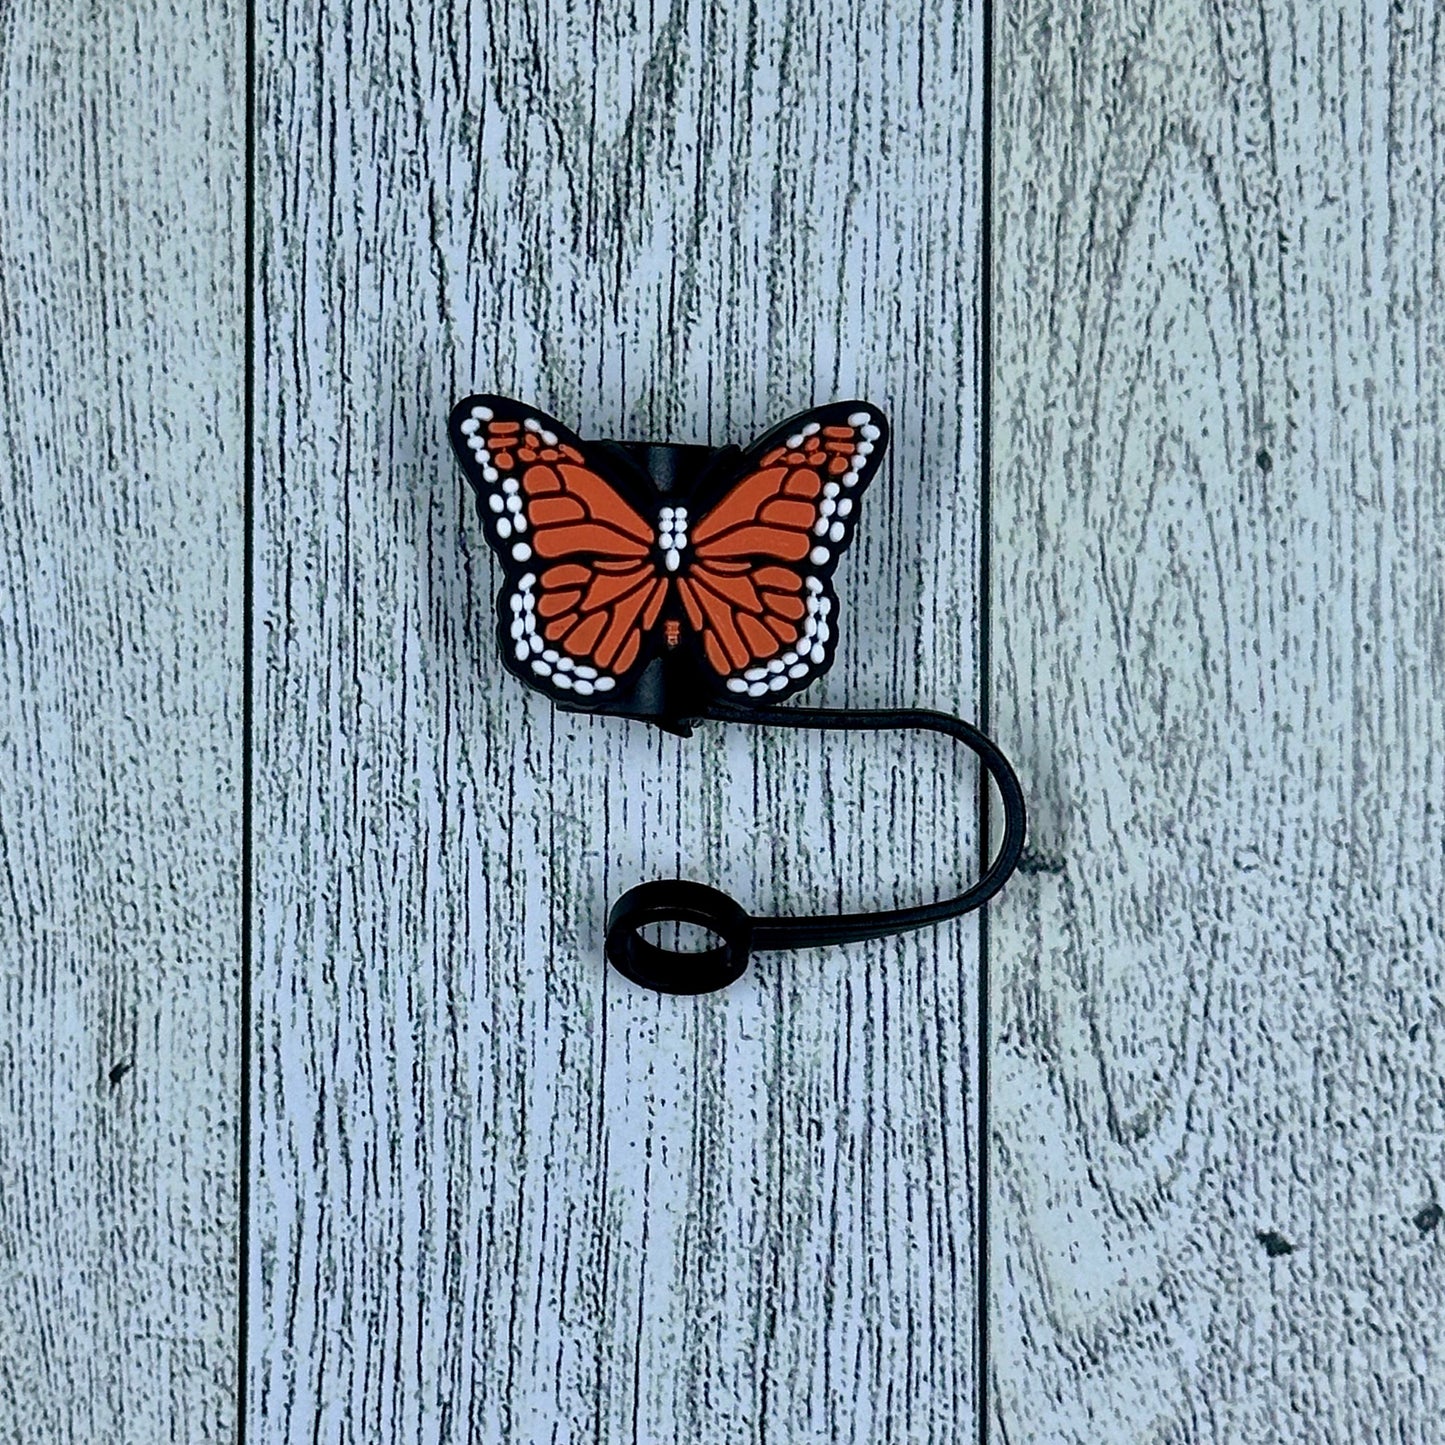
[120,687]
[1220,1020]
[501,1194]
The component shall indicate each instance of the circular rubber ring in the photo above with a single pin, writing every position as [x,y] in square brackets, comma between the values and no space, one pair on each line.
[666,970]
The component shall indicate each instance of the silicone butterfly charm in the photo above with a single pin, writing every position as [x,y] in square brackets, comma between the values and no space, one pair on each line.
[648,580]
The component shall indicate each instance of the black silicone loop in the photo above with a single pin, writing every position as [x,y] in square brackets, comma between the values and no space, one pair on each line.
[674,900]
[677,900]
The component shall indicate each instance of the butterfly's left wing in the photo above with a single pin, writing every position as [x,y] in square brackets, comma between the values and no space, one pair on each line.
[756,585]
[584,587]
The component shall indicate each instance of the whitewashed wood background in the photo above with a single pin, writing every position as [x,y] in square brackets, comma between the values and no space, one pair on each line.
[320,1117]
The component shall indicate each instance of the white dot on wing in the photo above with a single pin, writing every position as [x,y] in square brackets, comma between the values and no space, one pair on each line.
[469,426]
[812,429]
[605,684]
[482,413]
[835,532]
[818,556]
[532,424]
[736,684]
[521,551]
[871,434]
[796,440]
[504,528]
[495,502]
[860,418]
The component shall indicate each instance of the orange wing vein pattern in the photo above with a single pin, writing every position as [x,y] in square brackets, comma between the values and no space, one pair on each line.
[752,587]
[580,614]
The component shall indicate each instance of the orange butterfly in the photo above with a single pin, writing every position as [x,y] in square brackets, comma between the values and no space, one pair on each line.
[646,580]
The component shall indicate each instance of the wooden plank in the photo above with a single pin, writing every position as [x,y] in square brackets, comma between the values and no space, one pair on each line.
[500,1193]
[1219,1041]
[121,165]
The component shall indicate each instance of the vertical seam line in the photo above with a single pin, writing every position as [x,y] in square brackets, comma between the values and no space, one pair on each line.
[248,579]
[985,703]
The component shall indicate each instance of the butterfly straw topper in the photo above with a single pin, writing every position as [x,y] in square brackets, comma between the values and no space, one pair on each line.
[649,580]
[674,583]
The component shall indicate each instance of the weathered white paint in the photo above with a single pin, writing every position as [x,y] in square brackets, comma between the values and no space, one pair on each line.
[499,1193]
[120,687]
[1219,1022]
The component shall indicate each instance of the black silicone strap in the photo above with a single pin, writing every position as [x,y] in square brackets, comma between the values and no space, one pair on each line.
[679,901]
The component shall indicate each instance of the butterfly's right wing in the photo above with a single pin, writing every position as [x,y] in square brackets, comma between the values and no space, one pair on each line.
[757,585]
[583,583]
